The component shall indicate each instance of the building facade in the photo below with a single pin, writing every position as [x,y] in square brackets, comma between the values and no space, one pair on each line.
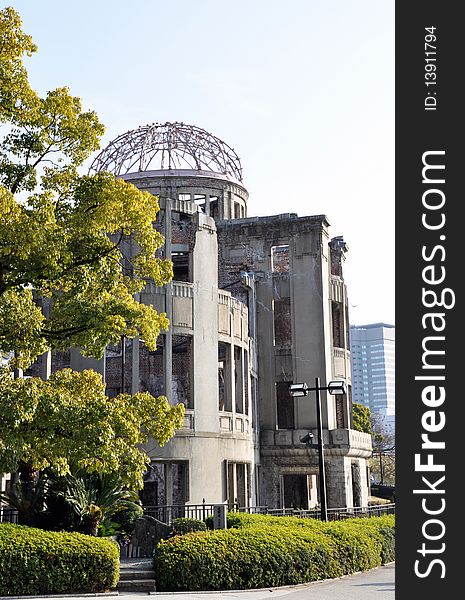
[372,349]
[255,304]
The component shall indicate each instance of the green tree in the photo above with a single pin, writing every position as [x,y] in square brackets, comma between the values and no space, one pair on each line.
[74,252]
[14,86]
[383,463]
[362,418]
[67,420]
[62,234]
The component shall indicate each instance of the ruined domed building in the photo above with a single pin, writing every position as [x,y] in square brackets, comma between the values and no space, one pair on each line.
[256,303]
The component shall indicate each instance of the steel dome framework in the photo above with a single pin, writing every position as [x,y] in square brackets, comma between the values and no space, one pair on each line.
[168,146]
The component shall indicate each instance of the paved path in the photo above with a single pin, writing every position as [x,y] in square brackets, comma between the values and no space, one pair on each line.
[377,584]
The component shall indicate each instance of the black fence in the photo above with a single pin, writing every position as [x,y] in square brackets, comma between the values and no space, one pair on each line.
[334,514]
[166,514]
[200,511]
[383,491]
[8,515]
[191,511]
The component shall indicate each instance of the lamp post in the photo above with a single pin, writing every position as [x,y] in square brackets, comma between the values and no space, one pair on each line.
[298,390]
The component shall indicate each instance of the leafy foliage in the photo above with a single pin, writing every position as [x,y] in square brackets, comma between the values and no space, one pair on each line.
[181,526]
[95,499]
[263,551]
[361,415]
[66,255]
[79,247]
[125,521]
[383,469]
[383,439]
[94,504]
[28,500]
[68,419]
[75,250]
[383,463]
[15,93]
[33,561]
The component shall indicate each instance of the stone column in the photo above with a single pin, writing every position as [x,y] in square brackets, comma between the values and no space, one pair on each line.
[356,484]
[338,482]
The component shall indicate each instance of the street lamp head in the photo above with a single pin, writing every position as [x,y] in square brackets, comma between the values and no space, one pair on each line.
[336,388]
[298,389]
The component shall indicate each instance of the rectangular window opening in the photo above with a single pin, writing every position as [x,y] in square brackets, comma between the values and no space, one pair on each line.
[181,371]
[181,270]
[200,200]
[152,368]
[338,324]
[224,377]
[214,207]
[282,323]
[239,378]
[285,406]
[280,258]
[296,491]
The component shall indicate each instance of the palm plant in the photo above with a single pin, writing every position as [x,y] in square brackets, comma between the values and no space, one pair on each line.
[94,499]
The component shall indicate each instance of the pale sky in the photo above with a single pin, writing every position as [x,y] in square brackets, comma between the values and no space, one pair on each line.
[303,90]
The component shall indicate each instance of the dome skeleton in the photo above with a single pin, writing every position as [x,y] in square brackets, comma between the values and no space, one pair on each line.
[168,146]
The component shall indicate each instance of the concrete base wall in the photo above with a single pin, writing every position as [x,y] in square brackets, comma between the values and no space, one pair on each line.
[345,469]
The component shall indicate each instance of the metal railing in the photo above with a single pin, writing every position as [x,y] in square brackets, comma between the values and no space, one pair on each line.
[8,515]
[334,514]
[191,511]
[200,511]
[166,514]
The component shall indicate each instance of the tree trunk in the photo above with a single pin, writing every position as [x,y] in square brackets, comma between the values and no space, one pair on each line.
[26,483]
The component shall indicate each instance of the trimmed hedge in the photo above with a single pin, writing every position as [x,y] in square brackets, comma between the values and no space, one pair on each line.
[34,561]
[262,551]
[184,525]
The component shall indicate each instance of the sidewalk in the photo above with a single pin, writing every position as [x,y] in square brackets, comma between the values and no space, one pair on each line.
[377,584]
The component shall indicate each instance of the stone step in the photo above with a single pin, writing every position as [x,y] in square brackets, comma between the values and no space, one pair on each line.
[136,575]
[136,585]
[131,575]
[136,563]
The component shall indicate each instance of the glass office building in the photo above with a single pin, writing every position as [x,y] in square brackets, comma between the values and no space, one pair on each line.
[372,349]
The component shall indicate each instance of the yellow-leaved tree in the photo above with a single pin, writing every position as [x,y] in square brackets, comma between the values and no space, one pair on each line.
[61,239]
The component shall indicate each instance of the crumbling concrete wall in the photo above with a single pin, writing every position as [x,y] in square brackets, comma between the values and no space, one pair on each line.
[289,258]
[298,317]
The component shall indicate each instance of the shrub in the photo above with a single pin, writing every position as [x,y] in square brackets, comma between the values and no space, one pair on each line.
[209,521]
[235,559]
[261,551]
[125,520]
[384,527]
[33,561]
[183,525]
[380,529]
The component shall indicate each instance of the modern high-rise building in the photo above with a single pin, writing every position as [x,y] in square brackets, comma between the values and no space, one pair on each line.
[372,350]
